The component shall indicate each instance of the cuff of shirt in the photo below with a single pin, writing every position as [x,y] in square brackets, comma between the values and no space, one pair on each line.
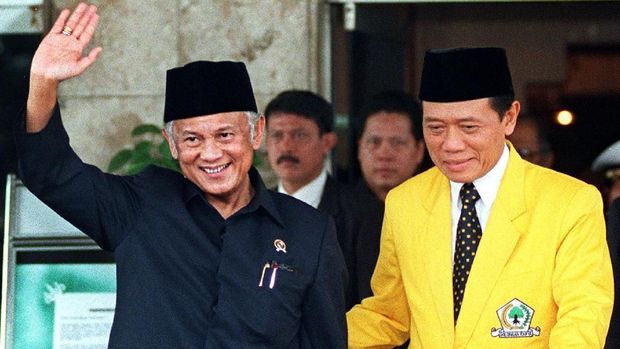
[38,152]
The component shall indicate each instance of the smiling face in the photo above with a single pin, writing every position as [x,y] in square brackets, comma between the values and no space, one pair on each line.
[215,153]
[296,148]
[388,152]
[466,139]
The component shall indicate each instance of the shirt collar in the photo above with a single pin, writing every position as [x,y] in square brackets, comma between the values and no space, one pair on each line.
[487,185]
[310,193]
[261,197]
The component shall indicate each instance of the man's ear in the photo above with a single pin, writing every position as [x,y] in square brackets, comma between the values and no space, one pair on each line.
[259,129]
[329,140]
[510,118]
[171,144]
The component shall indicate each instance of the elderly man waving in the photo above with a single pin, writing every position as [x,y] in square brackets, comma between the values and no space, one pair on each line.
[205,259]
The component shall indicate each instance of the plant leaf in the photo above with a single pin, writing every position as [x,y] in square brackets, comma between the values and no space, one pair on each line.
[168,163]
[138,158]
[145,128]
[143,148]
[257,160]
[164,150]
[147,150]
[119,160]
[137,166]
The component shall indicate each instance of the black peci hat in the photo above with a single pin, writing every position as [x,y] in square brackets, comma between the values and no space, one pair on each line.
[461,74]
[204,88]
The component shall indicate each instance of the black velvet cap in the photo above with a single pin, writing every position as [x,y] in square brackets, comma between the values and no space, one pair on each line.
[461,74]
[204,88]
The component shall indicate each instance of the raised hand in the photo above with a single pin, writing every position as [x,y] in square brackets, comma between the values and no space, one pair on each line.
[60,54]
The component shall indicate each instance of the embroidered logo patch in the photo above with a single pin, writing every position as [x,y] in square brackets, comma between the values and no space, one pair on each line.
[515,318]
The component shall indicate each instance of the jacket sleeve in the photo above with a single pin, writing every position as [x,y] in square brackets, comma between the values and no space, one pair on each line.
[323,319]
[382,321]
[582,279]
[99,204]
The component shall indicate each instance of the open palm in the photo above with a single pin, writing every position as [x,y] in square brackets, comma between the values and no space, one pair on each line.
[61,56]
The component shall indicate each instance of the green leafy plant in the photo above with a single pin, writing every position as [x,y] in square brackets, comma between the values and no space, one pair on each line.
[150,149]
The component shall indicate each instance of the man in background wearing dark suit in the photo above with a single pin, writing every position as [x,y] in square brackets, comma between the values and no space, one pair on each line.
[390,151]
[300,137]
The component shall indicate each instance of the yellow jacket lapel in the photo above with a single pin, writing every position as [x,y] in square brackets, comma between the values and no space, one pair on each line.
[438,242]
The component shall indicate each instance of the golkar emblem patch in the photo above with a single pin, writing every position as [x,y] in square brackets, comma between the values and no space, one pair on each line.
[515,318]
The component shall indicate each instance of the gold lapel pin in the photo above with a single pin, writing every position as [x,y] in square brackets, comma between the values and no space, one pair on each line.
[280,245]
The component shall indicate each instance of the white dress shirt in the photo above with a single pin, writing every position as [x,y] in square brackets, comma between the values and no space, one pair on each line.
[310,193]
[487,186]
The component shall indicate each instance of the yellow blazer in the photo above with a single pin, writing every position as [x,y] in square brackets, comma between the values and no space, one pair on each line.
[543,252]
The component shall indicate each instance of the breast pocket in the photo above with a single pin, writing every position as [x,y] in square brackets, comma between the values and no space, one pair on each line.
[282,286]
[279,296]
[262,302]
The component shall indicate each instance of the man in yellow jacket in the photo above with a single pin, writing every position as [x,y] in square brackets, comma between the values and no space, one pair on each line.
[485,250]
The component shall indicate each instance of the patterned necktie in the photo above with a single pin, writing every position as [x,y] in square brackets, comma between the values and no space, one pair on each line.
[468,234]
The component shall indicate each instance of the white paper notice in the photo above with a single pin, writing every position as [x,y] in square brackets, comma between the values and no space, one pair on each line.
[83,320]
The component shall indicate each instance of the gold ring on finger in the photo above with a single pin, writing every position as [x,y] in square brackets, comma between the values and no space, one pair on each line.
[67,30]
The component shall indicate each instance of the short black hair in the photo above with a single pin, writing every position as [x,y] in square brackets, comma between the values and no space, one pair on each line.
[393,101]
[306,104]
[501,103]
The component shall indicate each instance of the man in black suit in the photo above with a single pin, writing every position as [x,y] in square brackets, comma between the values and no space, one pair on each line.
[390,151]
[300,137]
[206,258]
